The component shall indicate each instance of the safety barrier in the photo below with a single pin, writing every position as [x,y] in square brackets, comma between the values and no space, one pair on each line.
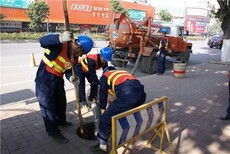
[149,117]
[179,69]
[33,62]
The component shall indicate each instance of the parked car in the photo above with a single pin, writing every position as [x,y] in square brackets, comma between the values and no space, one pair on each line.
[215,41]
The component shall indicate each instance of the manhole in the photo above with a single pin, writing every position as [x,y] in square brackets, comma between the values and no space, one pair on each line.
[88,131]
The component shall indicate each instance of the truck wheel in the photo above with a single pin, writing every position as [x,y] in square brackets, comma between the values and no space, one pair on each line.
[132,60]
[118,63]
[186,56]
[149,64]
[219,46]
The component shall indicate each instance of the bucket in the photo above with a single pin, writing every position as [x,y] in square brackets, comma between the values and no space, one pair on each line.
[179,69]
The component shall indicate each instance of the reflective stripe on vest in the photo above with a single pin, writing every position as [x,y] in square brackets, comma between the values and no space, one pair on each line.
[166,45]
[84,62]
[117,77]
[59,65]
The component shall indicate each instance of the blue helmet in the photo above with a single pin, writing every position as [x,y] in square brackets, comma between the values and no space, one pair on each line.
[106,53]
[109,68]
[85,41]
[164,30]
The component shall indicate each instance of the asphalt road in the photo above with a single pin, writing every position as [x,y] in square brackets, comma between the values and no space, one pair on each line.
[18,72]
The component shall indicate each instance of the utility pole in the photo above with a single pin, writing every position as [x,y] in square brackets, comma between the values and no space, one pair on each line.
[47,21]
[47,24]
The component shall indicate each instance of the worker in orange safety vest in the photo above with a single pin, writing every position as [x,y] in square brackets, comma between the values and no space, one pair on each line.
[49,80]
[86,69]
[161,55]
[129,94]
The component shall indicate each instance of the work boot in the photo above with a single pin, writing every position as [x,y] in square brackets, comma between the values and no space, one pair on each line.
[65,124]
[225,118]
[97,150]
[85,108]
[60,138]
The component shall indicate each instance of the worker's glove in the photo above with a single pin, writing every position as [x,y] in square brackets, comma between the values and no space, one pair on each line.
[102,111]
[65,36]
[74,81]
[169,51]
[158,53]
[111,97]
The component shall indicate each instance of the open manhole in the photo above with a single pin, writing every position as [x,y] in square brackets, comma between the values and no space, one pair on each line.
[88,131]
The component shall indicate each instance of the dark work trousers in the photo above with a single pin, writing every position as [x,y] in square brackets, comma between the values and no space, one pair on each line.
[130,94]
[161,62]
[228,110]
[93,86]
[52,101]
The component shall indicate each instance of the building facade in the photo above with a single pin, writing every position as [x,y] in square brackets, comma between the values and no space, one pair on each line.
[193,15]
[89,16]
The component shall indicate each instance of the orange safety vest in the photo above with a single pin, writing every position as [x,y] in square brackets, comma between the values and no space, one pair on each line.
[60,64]
[166,45]
[117,77]
[84,62]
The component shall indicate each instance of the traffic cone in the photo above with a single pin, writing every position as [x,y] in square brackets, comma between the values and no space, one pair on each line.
[33,63]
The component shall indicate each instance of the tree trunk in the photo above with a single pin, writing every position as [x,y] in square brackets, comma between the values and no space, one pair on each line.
[225,51]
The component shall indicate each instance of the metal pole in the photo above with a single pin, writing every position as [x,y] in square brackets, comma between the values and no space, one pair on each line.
[47,24]
[47,21]
[67,26]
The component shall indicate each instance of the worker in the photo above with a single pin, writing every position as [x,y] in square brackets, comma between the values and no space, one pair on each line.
[129,94]
[86,69]
[49,80]
[227,116]
[161,55]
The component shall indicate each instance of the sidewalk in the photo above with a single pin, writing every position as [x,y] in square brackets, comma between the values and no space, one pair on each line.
[195,104]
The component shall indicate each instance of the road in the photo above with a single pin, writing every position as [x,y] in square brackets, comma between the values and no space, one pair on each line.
[18,72]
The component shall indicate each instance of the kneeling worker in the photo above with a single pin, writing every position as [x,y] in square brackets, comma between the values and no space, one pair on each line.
[129,94]
[87,68]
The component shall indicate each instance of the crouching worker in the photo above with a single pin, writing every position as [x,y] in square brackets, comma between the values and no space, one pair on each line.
[49,80]
[129,94]
[86,69]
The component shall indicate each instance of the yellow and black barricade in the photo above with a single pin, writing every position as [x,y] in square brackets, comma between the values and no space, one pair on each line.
[149,117]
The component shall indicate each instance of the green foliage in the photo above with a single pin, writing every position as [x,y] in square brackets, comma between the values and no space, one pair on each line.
[117,7]
[220,13]
[37,36]
[215,29]
[165,15]
[2,16]
[37,11]
[21,36]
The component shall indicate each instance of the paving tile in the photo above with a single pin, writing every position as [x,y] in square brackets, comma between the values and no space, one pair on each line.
[195,104]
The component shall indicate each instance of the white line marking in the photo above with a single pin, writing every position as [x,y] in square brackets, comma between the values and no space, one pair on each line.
[15,83]
[16,66]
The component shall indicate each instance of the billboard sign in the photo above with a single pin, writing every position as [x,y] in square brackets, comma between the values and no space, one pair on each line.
[137,14]
[16,3]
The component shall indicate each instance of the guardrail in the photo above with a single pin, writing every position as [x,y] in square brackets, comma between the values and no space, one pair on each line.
[149,117]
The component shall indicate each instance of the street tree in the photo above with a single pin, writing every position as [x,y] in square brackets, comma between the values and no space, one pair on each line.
[2,16]
[165,15]
[215,29]
[223,15]
[37,11]
[117,7]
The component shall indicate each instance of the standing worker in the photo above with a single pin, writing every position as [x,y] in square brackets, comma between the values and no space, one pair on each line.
[163,48]
[49,80]
[86,69]
[129,94]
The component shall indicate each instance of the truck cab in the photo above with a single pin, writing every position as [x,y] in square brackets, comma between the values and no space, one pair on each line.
[177,43]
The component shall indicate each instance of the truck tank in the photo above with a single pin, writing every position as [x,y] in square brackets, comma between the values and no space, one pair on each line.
[137,42]
[131,39]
